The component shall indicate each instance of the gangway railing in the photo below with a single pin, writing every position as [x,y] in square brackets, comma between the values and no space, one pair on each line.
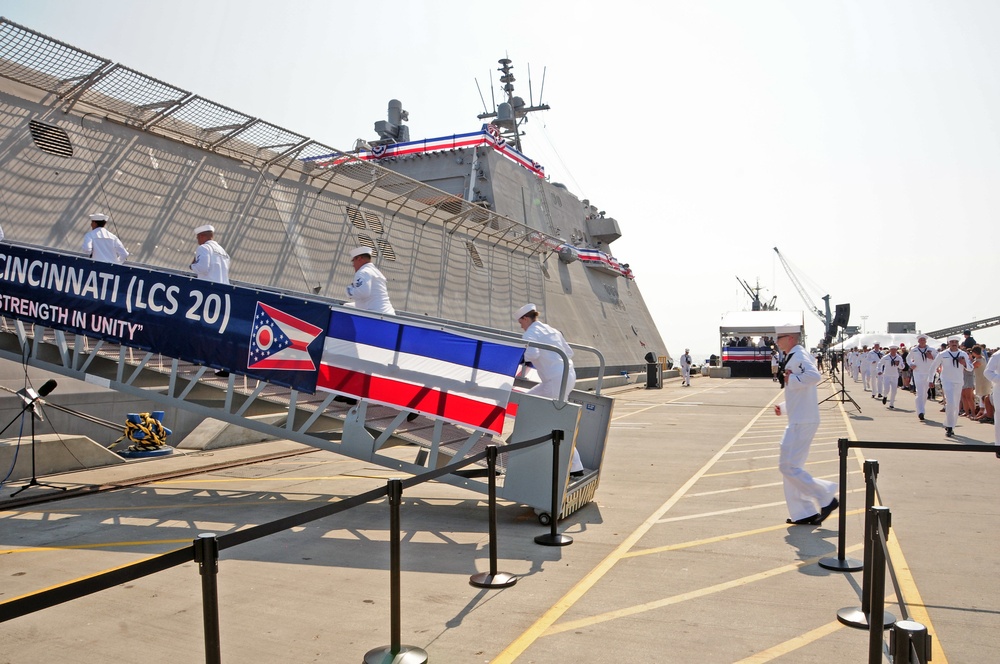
[172,365]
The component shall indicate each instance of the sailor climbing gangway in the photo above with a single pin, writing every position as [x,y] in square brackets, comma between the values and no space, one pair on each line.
[158,335]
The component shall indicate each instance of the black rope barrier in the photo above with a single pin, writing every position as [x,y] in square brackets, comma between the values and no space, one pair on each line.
[206,554]
[880,529]
[395,651]
[841,563]
[493,578]
[553,538]
[205,551]
[908,640]
[859,616]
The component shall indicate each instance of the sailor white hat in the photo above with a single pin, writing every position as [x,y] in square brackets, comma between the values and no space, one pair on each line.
[922,336]
[207,228]
[954,337]
[525,310]
[787,329]
[98,217]
[361,251]
[687,350]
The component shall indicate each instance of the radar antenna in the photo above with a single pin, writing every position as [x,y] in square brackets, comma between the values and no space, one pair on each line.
[511,114]
[754,293]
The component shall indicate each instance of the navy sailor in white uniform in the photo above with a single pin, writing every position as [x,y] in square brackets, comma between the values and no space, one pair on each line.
[211,262]
[368,288]
[888,369]
[953,362]
[547,363]
[921,360]
[810,500]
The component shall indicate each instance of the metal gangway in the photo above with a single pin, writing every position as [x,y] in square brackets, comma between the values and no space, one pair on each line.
[363,430]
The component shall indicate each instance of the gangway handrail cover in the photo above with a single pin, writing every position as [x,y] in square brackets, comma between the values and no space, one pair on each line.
[273,337]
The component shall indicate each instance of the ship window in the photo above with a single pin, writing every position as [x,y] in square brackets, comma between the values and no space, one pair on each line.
[50,139]
[384,248]
[374,223]
[355,217]
[365,241]
[477,260]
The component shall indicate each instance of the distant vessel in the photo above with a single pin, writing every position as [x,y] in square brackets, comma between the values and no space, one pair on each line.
[465,228]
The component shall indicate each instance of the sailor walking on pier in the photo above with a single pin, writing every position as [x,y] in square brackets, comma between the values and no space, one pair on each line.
[992,373]
[685,366]
[865,368]
[953,363]
[810,500]
[871,360]
[888,372]
[921,360]
[855,364]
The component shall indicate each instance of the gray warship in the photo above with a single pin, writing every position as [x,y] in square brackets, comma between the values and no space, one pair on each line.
[463,230]
[466,229]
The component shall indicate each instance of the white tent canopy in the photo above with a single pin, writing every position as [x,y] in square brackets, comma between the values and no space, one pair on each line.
[757,323]
[884,340]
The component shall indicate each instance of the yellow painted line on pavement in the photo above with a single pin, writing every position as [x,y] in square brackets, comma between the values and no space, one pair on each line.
[545,622]
[792,645]
[768,468]
[683,597]
[278,478]
[718,538]
[907,584]
[659,404]
[99,545]
[84,578]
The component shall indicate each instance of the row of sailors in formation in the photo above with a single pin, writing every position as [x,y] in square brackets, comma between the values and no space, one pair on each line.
[880,372]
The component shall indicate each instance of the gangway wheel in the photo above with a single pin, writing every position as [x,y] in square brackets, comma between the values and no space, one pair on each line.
[544,518]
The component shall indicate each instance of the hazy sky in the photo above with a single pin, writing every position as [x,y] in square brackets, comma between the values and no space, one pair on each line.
[860,138]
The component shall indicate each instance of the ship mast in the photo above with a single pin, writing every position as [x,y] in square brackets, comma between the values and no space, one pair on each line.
[511,114]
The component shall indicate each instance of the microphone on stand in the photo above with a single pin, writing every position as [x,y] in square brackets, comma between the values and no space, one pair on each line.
[30,396]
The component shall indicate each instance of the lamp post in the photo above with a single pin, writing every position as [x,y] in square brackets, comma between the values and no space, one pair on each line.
[864,328]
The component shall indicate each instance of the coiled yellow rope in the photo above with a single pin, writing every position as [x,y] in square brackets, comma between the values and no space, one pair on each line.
[145,432]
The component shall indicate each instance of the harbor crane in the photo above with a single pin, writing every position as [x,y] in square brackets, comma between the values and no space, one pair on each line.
[826,317]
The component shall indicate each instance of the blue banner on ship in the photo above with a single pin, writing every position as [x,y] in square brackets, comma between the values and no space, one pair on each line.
[260,334]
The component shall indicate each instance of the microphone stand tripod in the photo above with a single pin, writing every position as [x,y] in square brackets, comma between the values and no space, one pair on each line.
[30,406]
[842,394]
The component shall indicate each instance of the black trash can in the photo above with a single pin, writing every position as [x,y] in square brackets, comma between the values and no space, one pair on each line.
[652,372]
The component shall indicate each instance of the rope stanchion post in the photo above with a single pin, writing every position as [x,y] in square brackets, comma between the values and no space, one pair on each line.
[858,616]
[395,652]
[881,518]
[552,538]
[206,554]
[842,563]
[871,475]
[493,578]
[909,642]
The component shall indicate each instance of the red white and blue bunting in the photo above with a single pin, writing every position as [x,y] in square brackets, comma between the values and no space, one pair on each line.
[489,136]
